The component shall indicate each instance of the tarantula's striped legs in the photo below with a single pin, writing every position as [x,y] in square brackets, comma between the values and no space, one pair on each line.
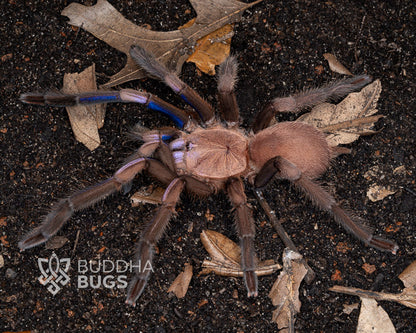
[150,64]
[227,77]
[284,169]
[64,209]
[308,98]
[180,117]
[150,237]
[246,231]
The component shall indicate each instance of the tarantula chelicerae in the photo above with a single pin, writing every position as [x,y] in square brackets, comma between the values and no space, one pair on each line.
[207,156]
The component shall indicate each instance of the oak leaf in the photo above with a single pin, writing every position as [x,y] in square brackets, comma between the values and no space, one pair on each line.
[171,48]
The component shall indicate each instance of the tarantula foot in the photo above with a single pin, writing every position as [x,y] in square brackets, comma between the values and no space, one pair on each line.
[384,244]
[250,279]
[33,239]
[135,290]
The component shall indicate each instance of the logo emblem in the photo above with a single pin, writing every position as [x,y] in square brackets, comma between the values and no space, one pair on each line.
[54,272]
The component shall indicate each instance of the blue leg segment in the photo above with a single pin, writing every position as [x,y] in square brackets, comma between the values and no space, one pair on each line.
[179,116]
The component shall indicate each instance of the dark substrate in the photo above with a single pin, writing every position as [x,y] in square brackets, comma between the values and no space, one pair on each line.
[279,45]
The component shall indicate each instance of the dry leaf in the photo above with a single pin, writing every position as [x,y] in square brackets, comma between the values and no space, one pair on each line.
[56,242]
[408,276]
[378,192]
[335,65]
[170,47]
[1,261]
[226,257]
[212,49]
[180,286]
[151,195]
[349,119]
[285,291]
[85,119]
[373,318]
[348,308]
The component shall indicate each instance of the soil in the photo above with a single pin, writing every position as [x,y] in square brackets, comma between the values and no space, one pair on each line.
[280,47]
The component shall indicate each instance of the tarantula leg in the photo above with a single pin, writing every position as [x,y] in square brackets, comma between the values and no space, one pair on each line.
[150,236]
[180,117]
[325,201]
[227,77]
[308,98]
[285,169]
[150,64]
[64,209]
[246,231]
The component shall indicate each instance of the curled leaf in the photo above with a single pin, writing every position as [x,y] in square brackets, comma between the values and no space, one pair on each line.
[352,117]
[335,65]
[85,119]
[226,257]
[180,286]
[285,291]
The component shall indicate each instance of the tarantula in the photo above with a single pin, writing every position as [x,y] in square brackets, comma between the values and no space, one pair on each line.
[208,155]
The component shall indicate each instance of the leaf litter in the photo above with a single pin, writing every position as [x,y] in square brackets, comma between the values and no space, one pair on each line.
[208,35]
[285,291]
[171,48]
[371,313]
[346,121]
[181,284]
[226,257]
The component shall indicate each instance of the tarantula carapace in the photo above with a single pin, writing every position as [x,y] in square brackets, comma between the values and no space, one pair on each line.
[208,155]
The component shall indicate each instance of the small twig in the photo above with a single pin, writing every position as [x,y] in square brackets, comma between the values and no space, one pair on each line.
[358,38]
[75,245]
[310,275]
[405,298]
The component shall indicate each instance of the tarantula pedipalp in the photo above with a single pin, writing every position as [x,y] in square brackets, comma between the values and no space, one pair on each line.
[207,156]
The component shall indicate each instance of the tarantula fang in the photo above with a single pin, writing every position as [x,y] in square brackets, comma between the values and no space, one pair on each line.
[206,155]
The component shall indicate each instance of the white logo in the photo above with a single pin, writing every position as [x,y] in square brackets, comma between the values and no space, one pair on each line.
[54,273]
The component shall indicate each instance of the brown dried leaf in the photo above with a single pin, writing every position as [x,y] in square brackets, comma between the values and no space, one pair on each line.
[221,248]
[335,65]
[150,195]
[285,291]
[180,286]
[170,47]
[212,49]
[408,276]
[226,256]
[85,119]
[373,318]
[349,119]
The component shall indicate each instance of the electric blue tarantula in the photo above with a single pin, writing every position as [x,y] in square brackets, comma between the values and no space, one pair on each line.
[208,155]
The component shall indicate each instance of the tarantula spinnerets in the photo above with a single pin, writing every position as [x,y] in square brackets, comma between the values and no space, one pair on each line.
[208,155]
